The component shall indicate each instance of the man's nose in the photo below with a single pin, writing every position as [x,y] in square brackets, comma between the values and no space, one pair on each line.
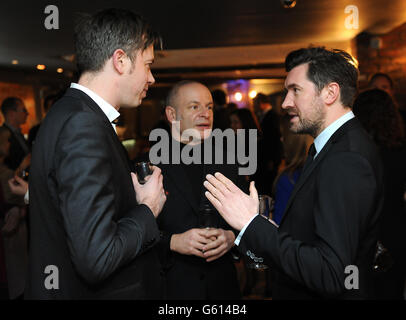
[287,102]
[151,79]
[205,113]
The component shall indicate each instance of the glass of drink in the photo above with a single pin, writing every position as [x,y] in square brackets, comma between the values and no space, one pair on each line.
[207,217]
[143,169]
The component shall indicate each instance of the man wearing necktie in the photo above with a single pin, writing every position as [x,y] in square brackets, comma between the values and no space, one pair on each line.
[330,222]
[15,115]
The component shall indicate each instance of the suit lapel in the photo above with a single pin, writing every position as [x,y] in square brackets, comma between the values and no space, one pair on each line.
[306,174]
[93,107]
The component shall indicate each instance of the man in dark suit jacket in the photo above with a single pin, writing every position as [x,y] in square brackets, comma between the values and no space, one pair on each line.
[191,273]
[325,244]
[92,224]
[15,114]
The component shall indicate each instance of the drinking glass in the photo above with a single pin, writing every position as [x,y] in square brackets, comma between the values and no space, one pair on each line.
[143,169]
[207,217]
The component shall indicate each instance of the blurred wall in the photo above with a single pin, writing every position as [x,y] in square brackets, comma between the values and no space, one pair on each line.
[384,53]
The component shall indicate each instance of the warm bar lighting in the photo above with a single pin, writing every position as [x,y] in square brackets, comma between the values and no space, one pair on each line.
[288,4]
[14,62]
[59,70]
[41,67]
[252,94]
[238,96]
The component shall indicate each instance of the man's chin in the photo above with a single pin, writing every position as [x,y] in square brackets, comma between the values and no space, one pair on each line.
[296,128]
[134,104]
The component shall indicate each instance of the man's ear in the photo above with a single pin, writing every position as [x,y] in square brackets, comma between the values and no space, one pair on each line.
[170,113]
[331,93]
[120,61]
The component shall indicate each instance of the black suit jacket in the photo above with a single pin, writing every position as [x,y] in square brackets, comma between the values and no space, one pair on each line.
[330,222]
[84,216]
[191,277]
[16,151]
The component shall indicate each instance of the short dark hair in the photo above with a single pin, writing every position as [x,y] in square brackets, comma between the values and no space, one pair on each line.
[247,118]
[10,104]
[171,97]
[219,97]
[261,98]
[326,66]
[97,36]
[380,75]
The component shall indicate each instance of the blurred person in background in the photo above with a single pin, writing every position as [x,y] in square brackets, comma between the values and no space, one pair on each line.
[379,116]
[13,225]
[270,149]
[15,115]
[220,110]
[384,82]
[232,107]
[295,148]
[245,119]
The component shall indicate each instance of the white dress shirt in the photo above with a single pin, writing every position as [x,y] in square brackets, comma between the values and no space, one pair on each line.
[110,112]
[326,134]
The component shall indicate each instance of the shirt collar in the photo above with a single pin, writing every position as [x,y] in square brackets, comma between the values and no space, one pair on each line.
[110,112]
[326,134]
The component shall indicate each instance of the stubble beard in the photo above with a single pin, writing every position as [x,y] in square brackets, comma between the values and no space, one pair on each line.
[314,123]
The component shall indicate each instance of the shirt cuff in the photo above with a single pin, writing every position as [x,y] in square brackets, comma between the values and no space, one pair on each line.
[237,241]
[27,197]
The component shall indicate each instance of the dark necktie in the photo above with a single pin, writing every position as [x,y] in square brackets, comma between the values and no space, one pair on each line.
[310,157]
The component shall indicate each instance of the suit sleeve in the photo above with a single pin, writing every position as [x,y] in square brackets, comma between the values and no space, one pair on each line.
[346,189]
[84,171]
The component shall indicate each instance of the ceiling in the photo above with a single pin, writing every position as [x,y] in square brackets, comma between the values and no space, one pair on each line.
[223,38]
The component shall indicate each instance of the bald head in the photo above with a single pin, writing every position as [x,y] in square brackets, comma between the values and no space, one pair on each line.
[173,95]
[191,103]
